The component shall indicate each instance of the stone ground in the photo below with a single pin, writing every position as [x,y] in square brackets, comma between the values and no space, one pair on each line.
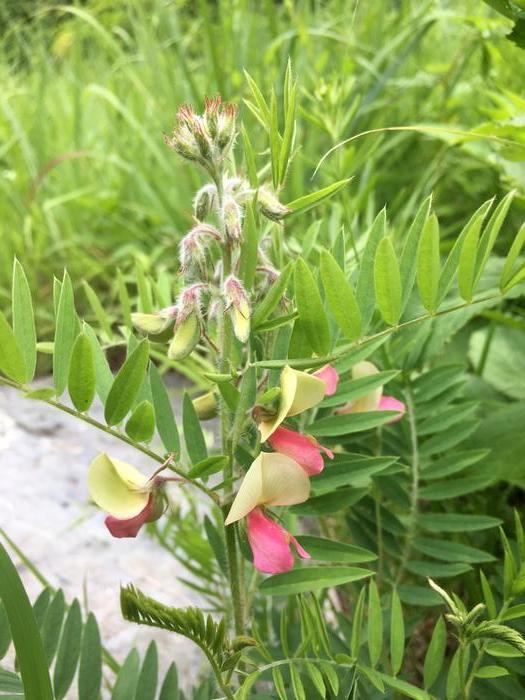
[44,509]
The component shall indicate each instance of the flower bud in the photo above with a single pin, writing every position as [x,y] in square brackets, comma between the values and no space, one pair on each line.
[155,323]
[187,335]
[232,216]
[205,406]
[270,206]
[205,202]
[237,303]
[226,128]
[192,249]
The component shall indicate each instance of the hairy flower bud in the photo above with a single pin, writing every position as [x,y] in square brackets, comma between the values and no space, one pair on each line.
[270,206]
[237,303]
[232,216]
[155,323]
[188,325]
[205,202]
[192,249]
[206,406]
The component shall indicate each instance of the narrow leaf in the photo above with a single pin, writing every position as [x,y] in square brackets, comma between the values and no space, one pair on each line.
[375,624]
[11,359]
[435,654]
[127,384]
[141,424]
[24,320]
[66,331]
[68,652]
[428,264]
[193,436]
[308,201]
[147,681]
[276,293]
[365,282]
[128,674]
[90,668]
[408,263]
[397,633]
[311,578]
[340,297]
[82,373]
[164,418]
[310,307]
[387,282]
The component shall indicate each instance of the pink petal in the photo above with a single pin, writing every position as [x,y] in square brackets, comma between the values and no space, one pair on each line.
[270,544]
[389,403]
[330,377]
[130,526]
[301,448]
[300,551]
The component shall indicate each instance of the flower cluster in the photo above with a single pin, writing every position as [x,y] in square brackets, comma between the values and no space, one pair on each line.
[281,478]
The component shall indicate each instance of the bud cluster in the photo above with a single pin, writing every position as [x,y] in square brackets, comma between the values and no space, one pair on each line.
[206,139]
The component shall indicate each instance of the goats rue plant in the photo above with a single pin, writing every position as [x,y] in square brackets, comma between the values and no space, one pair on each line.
[291,353]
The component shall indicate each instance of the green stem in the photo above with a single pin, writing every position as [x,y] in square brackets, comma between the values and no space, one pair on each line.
[414,491]
[225,362]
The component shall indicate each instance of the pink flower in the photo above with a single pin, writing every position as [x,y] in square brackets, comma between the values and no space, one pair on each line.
[390,403]
[303,449]
[129,527]
[270,544]
[329,376]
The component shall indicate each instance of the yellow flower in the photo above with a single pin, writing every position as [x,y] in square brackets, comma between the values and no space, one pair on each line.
[272,480]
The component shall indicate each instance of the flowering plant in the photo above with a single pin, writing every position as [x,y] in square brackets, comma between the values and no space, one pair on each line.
[302,457]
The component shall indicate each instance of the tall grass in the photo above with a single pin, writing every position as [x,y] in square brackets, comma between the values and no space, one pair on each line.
[89,88]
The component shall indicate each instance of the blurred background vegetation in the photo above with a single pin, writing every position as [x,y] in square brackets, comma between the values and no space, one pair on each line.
[89,88]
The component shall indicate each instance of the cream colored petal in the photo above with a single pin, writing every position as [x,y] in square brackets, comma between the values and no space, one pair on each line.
[370,402]
[288,390]
[284,482]
[309,392]
[241,322]
[150,323]
[185,338]
[115,487]
[249,494]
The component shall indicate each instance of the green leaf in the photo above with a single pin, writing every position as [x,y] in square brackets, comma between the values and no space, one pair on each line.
[53,625]
[11,359]
[289,128]
[491,232]
[249,158]
[340,297]
[457,522]
[515,249]
[123,296]
[104,377]
[365,282]
[208,466]
[82,373]
[164,418]
[353,471]
[128,674]
[322,549]
[387,282]
[90,667]
[350,423]
[275,294]
[297,685]
[447,550]
[127,384]
[68,652]
[170,687]
[66,331]
[406,689]
[97,308]
[435,654]
[141,424]
[375,624]
[408,263]
[434,569]
[308,201]
[24,320]
[454,676]
[193,436]
[275,140]
[397,633]
[491,672]
[5,632]
[357,623]
[147,681]
[468,253]
[428,265]
[310,307]
[26,637]
[312,578]
[330,502]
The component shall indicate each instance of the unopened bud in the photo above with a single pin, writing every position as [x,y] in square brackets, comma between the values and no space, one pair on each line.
[270,206]
[205,202]
[232,216]
[155,323]
[211,114]
[189,302]
[187,335]
[205,406]
[226,128]
[237,303]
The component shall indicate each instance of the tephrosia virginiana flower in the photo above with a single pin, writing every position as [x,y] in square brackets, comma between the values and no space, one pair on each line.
[374,400]
[270,544]
[329,376]
[304,449]
[237,305]
[130,498]
[273,479]
[299,392]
